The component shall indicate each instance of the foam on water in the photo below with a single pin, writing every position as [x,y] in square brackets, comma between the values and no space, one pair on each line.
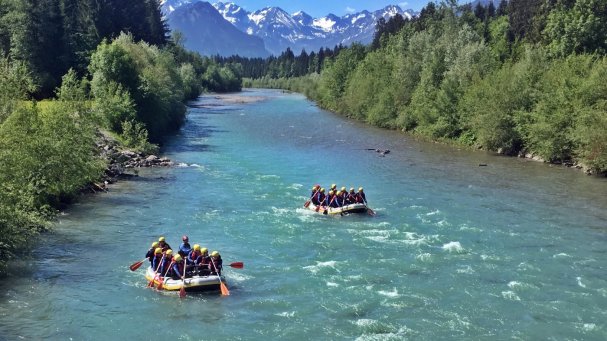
[510,295]
[320,265]
[579,282]
[392,294]
[453,247]
[561,255]
[288,314]
[424,257]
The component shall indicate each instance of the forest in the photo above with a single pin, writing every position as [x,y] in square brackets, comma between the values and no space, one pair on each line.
[524,78]
[71,71]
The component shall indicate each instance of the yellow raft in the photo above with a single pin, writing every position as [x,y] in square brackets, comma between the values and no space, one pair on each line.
[352,208]
[194,283]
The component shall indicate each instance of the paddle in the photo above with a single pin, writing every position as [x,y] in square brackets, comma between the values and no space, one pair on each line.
[310,200]
[136,266]
[370,211]
[222,286]
[182,290]
[237,265]
[159,287]
[151,284]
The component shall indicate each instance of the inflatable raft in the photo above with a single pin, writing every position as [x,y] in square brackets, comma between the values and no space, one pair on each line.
[194,283]
[352,208]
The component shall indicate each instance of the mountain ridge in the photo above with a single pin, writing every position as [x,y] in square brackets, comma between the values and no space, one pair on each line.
[280,30]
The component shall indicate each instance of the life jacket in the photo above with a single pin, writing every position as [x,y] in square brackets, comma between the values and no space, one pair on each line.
[150,254]
[184,249]
[155,261]
[193,256]
[165,247]
[166,265]
[216,265]
[205,260]
[177,268]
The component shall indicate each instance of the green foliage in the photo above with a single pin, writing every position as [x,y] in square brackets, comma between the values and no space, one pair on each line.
[225,78]
[52,36]
[135,136]
[113,105]
[125,70]
[15,84]
[581,28]
[336,76]
[48,154]
[192,86]
[590,132]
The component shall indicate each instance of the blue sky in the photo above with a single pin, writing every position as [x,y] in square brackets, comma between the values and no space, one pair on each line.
[319,8]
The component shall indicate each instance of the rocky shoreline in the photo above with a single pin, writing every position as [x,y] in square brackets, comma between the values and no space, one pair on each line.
[119,161]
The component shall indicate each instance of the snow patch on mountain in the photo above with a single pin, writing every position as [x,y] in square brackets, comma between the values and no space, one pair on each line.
[299,30]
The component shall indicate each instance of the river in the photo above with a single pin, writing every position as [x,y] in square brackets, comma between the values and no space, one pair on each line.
[515,249]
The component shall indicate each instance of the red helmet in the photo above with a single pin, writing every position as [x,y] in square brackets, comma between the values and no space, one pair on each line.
[184,238]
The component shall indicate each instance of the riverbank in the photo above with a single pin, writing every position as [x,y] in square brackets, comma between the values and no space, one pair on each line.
[120,161]
[307,86]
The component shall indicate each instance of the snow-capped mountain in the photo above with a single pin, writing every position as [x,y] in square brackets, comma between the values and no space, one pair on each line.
[280,30]
[207,32]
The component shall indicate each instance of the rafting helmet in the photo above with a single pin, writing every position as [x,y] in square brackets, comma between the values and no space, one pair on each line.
[185,238]
[158,251]
[177,258]
[343,189]
[330,192]
[333,186]
[154,245]
[196,247]
[351,189]
[360,189]
[204,250]
[338,193]
[161,239]
[322,190]
[214,254]
[168,252]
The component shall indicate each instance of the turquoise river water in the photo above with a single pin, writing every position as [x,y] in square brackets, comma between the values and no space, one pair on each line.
[512,250]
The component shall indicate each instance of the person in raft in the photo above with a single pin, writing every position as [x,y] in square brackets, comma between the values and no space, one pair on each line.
[333,188]
[194,256]
[163,244]
[343,196]
[361,198]
[177,269]
[351,198]
[166,263]
[158,258]
[150,254]
[319,197]
[335,201]
[216,263]
[315,190]
[205,261]
[184,248]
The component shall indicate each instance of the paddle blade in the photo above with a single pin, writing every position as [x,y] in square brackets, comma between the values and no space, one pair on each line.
[182,292]
[371,212]
[224,289]
[159,287]
[151,284]
[135,266]
[237,265]
[307,204]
